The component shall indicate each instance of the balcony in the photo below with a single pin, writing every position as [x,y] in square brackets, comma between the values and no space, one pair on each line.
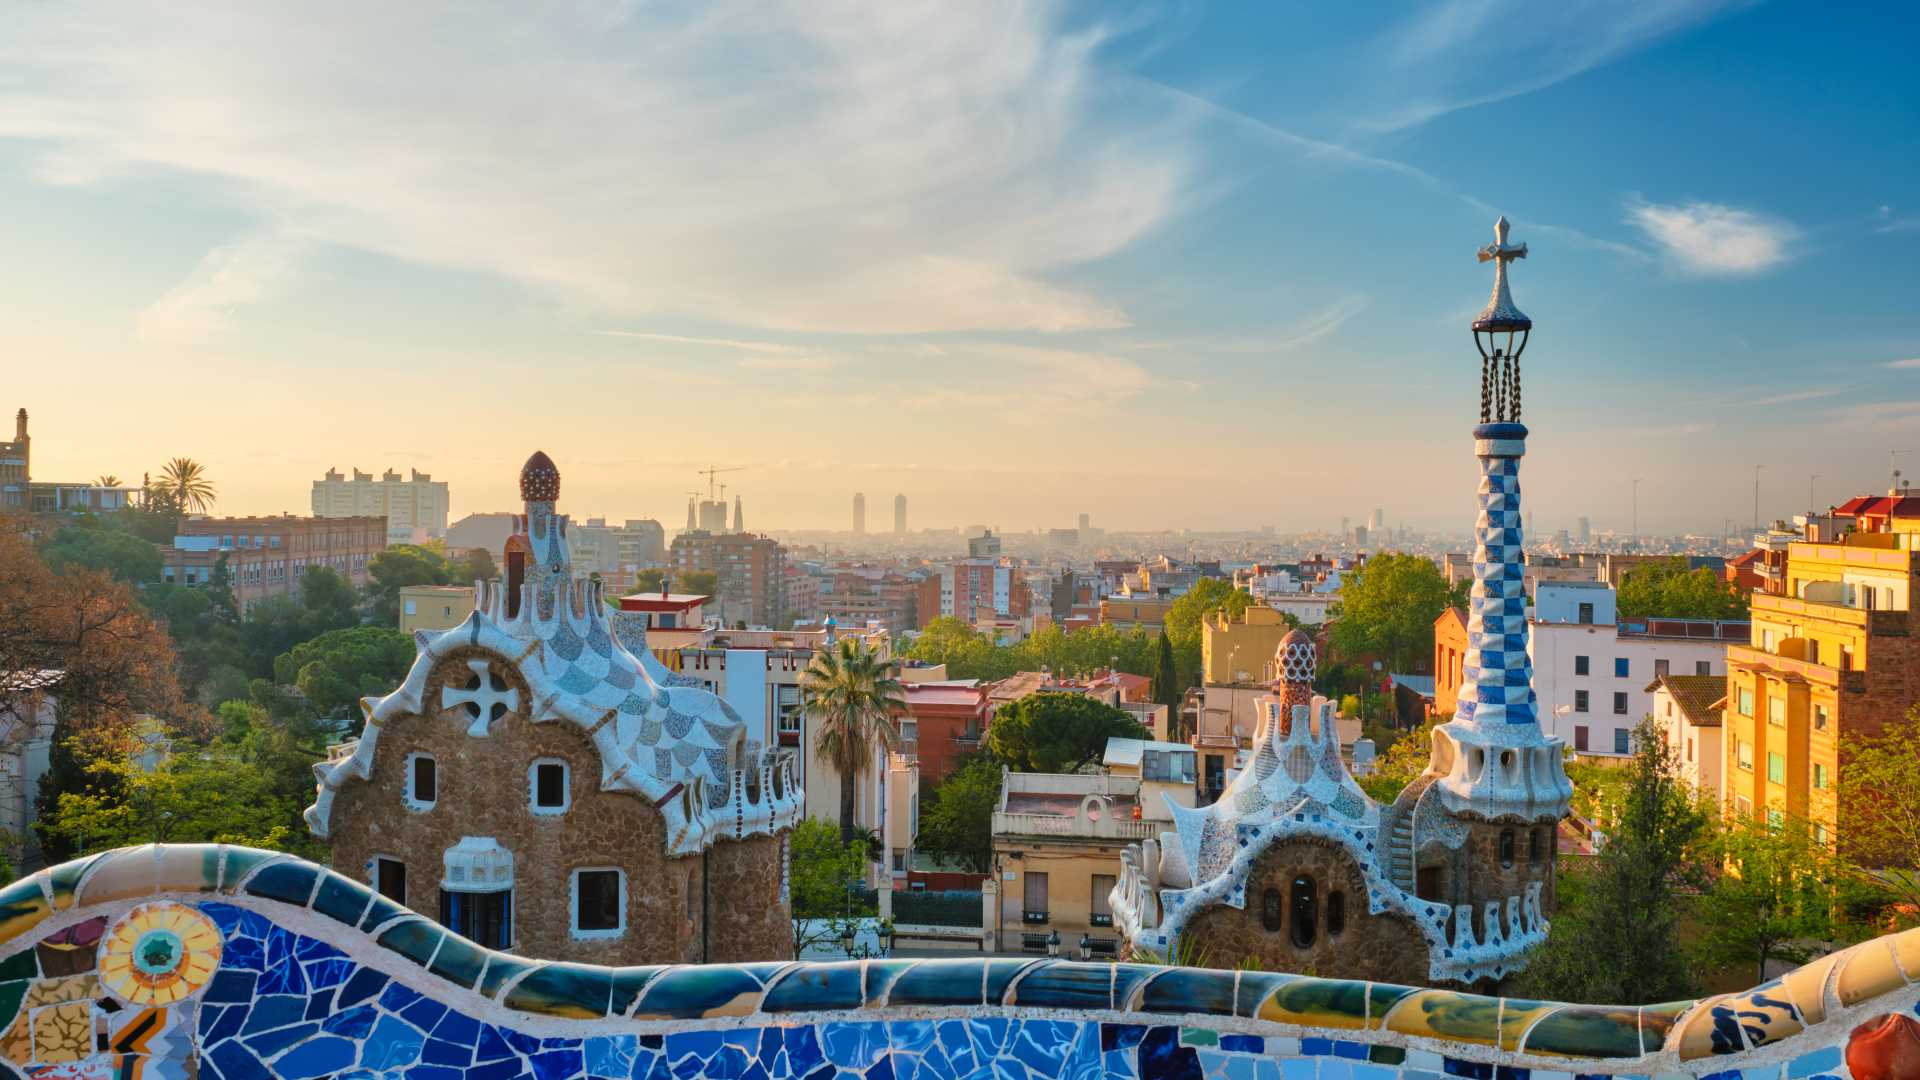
[1038,918]
[1880,622]
[1072,826]
[1749,657]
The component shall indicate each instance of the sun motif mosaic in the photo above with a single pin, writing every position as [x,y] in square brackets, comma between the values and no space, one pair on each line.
[158,954]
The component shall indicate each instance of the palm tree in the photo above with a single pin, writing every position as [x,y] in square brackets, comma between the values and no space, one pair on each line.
[853,697]
[108,480]
[186,484]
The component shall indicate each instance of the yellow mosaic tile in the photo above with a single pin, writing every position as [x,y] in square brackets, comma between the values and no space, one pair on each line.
[158,954]
[1448,1015]
[17,1044]
[1906,949]
[1807,986]
[63,1033]
[1768,1010]
[1696,1031]
[1516,1016]
[1869,972]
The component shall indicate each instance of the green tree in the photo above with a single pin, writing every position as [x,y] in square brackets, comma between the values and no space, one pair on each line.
[1387,608]
[852,697]
[1057,732]
[956,818]
[395,568]
[1615,935]
[1879,792]
[223,605]
[1666,589]
[1401,762]
[123,555]
[1775,901]
[1166,677]
[824,870]
[335,670]
[967,653]
[186,485]
[701,582]
[276,624]
[192,795]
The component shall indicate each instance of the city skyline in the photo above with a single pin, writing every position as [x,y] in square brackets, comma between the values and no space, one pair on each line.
[1165,267]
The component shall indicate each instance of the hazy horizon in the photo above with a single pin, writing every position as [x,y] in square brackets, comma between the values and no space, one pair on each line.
[1174,268]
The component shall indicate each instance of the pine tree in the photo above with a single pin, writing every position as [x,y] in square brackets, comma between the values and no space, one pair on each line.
[1166,686]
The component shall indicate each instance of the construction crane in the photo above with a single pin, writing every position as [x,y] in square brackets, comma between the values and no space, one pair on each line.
[714,470]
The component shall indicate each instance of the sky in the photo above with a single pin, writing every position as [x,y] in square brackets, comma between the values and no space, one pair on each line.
[1169,264]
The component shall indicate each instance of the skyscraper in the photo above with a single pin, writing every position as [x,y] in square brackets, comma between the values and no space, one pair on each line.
[900,515]
[1586,532]
[859,513]
[739,520]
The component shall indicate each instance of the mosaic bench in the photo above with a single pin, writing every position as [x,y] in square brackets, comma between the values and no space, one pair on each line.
[228,962]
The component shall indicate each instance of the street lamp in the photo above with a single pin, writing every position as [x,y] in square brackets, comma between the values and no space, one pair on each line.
[1053,943]
[1086,948]
[885,935]
[1500,332]
[846,938]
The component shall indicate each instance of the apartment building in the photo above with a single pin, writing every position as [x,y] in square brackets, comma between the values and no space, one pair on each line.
[434,607]
[750,575]
[1689,710]
[415,506]
[1834,651]
[267,555]
[1591,670]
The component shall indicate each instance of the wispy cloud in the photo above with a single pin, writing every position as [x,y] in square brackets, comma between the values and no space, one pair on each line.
[705,342]
[806,165]
[1909,363]
[234,275]
[1886,221]
[795,362]
[1713,240]
[1786,397]
[1305,331]
[1464,53]
[1878,415]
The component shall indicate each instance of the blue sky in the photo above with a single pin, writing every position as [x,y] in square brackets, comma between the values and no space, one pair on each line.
[1170,264]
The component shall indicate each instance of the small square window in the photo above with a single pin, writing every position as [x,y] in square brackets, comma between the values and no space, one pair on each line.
[1581,665]
[1777,712]
[1621,666]
[1776,768]
[1579,701]
[390,878]
[423,781]
[1819,717]
[599,903]
[550,789]
[1619,703]
[1703,667]
[1620,743]
[1819,775]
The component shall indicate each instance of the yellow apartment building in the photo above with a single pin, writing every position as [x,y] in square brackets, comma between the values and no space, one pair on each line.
[1136,612]
[1239,651]
[1835,650]
[434,607]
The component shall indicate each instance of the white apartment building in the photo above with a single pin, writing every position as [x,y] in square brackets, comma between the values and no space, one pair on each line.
[617,552]
[415,507]
[1593,673]
[1688,709]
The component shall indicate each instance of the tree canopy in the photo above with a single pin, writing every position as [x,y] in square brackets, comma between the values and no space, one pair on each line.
[703,582]
[1879,785]
[824,870]
[956,817]
[1057,732]
[338,668]
[1615,936]
[91,545]
[1387,608]
[1776,900]
[1666,589]
[970,654]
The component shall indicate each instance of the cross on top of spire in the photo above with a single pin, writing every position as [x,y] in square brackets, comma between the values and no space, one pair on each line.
[1501,313]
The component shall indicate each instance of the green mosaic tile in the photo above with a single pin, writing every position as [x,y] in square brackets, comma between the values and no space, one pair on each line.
[502,969]
[64,880]
[1586,1031]
[459,961]
[1334,1003]
[241,861]
[573,991]
[22,907]
[628,982]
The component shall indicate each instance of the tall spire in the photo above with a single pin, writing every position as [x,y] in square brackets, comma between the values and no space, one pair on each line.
[1496,760]
[739,521]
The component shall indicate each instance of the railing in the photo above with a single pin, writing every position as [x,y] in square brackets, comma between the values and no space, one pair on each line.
[1853,681]
[1039,917]
[1006,823]
[1881,621]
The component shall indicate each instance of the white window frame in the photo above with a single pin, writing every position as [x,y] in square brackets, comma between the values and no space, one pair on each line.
[533,787]
[573,904]
[406,789]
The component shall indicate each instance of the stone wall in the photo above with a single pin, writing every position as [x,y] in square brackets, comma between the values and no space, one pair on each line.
[1385,947]
[228,963]
[484,790]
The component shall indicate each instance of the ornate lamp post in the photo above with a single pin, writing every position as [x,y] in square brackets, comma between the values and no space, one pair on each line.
[1500,332]
[1053,943]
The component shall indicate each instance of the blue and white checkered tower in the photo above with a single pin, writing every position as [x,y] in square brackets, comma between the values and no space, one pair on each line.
[1496,761]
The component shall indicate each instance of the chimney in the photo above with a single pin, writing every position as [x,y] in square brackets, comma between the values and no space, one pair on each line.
[20,425]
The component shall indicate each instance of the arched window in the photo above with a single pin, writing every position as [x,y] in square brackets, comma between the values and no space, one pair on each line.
[1270,910]
[1506,847]
[1536,844]
[1336,913]
[1304,916]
